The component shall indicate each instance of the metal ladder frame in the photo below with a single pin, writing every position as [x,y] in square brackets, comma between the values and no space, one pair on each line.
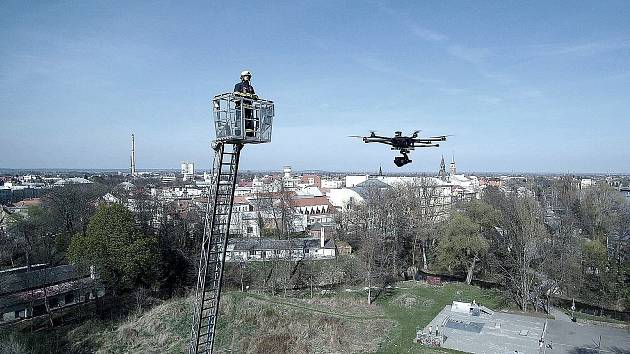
[213,247]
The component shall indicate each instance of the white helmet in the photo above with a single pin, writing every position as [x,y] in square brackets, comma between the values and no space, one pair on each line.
[246,73]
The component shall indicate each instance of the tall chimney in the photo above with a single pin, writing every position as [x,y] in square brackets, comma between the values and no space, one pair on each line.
[133,155]
[322,239]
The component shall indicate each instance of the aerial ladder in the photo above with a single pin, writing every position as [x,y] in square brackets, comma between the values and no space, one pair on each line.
[239,119]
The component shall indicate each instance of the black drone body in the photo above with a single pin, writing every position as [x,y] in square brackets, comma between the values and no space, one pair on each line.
[404,144]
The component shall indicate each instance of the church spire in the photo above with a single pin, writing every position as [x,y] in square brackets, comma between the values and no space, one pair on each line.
[442,169]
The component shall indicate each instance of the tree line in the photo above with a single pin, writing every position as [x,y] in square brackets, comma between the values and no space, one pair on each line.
[536,239]
[151,248]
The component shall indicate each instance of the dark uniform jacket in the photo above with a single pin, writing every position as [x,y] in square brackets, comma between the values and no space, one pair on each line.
[244,87]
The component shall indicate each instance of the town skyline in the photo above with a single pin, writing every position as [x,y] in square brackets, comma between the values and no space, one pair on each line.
[531,87]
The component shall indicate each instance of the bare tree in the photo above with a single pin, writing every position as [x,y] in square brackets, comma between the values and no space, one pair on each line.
[596,210]
[427,205]
[371,223]
[71,206]
[521,249]
[276,203]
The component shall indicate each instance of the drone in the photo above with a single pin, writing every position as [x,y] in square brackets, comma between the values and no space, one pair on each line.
[404,144]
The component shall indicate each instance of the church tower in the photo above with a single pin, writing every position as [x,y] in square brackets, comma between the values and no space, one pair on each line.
[442,169]
[453,169]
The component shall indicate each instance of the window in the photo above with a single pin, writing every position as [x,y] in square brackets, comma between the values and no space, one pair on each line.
[69,298]
[39,310]
[53,302]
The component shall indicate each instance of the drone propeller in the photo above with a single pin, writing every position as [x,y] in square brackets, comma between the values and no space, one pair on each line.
[439,136]
[355,136]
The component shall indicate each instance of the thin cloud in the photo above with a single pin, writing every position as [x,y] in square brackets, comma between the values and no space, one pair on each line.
[427,34]
[419,31]
[453,91]
[528,54]
[530,93]
[471,55]
[591,48]
[487,99]
[373,63]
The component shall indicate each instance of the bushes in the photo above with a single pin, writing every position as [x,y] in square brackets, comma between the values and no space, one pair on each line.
[122,256]
[10,345]
[275,275]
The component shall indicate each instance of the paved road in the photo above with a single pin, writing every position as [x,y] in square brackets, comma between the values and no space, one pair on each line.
[559,315]
[566,337]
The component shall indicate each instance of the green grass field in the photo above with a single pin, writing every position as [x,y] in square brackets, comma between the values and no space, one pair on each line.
[414,305]
[584,316]
[338,322]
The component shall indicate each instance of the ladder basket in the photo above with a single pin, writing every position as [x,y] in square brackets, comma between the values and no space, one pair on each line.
[242,118]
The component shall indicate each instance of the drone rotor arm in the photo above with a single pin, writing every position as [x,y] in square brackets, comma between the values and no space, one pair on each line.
[377,140]
[430,140]
[373,136]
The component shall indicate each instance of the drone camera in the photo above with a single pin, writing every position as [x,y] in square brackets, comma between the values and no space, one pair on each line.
[400,161]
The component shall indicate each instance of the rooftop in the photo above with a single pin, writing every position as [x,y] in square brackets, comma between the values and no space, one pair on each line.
[19,279]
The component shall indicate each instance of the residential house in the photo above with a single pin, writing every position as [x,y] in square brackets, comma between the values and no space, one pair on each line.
[264,249]
[313,207]
[25,290]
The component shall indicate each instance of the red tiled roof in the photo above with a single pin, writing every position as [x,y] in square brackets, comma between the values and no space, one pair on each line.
[29,202]
[303,202]
[240,200]
[275,194]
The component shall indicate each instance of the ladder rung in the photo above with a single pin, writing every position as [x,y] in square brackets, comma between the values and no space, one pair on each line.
[211,322]
[203,328]
[202,344]
[207,308]
[209,318]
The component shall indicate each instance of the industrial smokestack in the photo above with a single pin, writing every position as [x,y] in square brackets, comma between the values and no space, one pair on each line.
[133,155]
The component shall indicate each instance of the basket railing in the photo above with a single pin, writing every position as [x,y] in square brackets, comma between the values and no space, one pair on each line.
[242,118]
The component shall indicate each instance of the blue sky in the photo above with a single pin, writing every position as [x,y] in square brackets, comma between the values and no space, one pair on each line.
[523,86]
